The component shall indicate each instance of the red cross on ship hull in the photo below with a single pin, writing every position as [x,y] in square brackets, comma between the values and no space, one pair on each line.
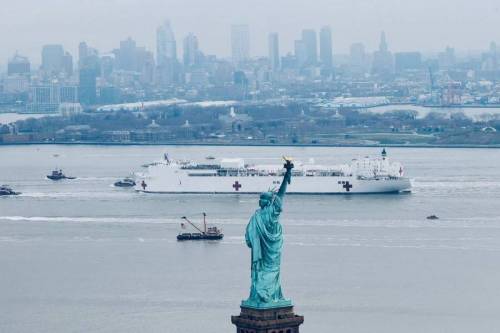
[347,186]
[236,186]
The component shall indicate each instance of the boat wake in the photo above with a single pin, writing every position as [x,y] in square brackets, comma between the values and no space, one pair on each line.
[490,222]
[90,219]
[80,195]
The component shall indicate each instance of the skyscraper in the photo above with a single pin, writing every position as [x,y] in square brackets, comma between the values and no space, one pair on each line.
[83,52]
[166,46]
[146,61]
[166,54]
[383,43]
[240,43]
[447,58]
[383,63]
[18,65]
[190,50]
[87,91]
[407,61]
[67,64]
[126,55]
[490,59]
[325,48]
[300,53]
[274,51]
[310,45]
[358,59]
[107,65]
[87,55]
[52,58]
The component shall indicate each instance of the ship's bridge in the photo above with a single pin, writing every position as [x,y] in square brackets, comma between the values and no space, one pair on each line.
[232,163]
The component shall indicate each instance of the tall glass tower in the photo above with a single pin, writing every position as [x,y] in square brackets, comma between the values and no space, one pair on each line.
[240,43]
[325,48]
[274,51]
[166,47]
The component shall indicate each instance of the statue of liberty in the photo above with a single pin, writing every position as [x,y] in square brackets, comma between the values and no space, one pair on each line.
[264,236]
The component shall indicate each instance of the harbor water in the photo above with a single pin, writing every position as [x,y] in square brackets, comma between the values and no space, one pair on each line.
[84,256]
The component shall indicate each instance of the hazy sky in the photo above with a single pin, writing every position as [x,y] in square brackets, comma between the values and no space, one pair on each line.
[426,25]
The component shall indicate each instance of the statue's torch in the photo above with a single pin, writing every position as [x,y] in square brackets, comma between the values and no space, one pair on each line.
[288,166]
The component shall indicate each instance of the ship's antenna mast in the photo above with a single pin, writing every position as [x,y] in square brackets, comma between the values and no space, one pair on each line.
[204,222]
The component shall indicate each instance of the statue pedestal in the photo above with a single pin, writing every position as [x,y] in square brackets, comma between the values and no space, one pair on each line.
[271,320]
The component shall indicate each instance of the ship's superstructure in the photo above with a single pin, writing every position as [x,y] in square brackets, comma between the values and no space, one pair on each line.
[233,175]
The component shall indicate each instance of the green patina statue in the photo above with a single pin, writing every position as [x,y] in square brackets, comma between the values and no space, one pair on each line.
[264,236]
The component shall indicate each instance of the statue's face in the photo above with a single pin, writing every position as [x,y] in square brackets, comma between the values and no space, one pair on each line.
[265,199]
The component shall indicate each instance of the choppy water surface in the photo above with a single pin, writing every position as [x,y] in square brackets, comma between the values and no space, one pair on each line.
[83,256]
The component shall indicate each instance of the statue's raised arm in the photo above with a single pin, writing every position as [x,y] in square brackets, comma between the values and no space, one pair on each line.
[287,178]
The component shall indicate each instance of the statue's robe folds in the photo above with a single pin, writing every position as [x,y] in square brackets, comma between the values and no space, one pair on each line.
[265,238]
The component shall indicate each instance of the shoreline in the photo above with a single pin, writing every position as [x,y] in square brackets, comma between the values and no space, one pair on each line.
[430,106]
[471,146]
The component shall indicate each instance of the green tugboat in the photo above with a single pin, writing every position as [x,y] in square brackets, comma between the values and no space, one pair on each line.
[208,233]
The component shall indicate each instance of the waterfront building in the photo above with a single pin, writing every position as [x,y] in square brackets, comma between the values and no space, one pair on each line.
[16,83]
[240,43]
[274,51]
[68,94]
[52,59]
[70,109]
[18,75]
[325,49]
[18,65]
[44,98]
[47,98]
[109,95]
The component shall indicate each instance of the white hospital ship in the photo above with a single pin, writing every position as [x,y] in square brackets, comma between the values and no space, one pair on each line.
[233,175]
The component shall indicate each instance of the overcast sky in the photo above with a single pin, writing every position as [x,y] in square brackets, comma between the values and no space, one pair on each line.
[425,25]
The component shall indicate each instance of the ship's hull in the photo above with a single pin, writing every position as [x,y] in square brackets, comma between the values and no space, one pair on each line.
[169,181]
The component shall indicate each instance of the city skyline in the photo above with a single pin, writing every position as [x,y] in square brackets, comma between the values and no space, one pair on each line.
[412,28]
[36,59]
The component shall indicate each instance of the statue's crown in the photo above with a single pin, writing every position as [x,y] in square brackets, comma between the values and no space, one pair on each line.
[267,195]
